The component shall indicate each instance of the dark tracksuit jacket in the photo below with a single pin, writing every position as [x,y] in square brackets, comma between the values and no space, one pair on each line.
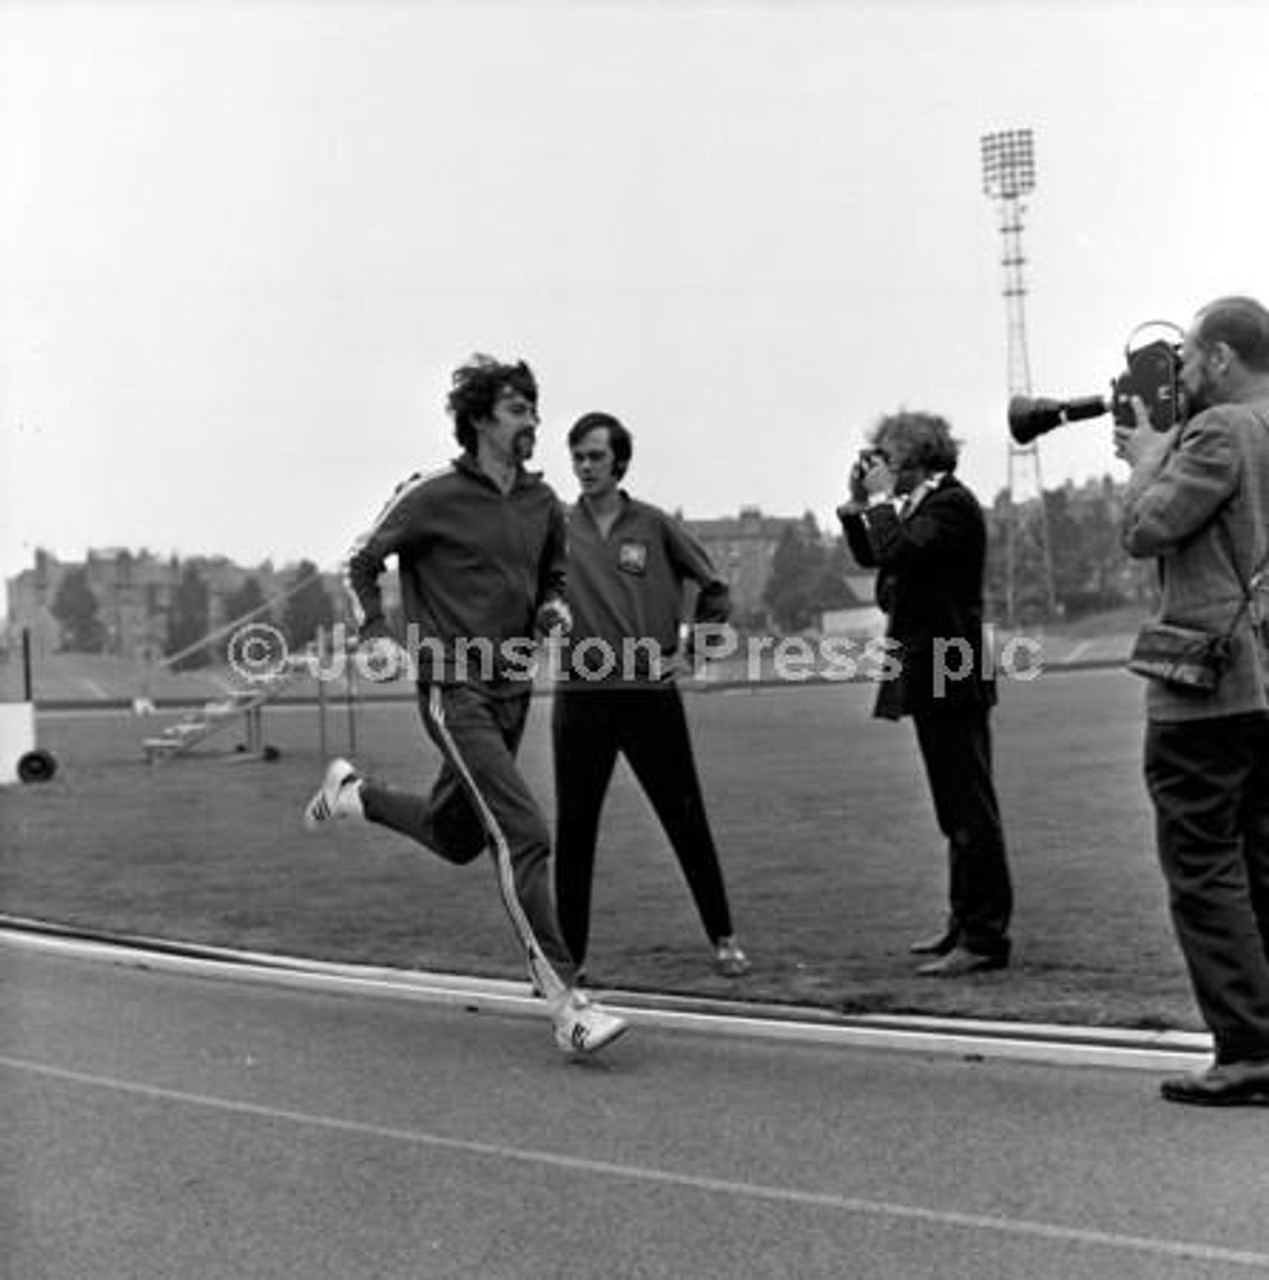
[630,585]
[475,565]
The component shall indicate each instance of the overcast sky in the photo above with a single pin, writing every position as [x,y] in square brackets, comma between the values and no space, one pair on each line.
[242,246]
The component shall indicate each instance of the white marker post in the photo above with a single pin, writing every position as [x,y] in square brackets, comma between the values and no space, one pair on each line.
[20,759]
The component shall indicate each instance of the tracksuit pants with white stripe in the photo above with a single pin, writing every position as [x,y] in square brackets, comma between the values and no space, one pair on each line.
[480,801]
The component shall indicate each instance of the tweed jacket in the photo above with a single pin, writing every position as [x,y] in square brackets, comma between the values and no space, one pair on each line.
[930,562]
[1203,513]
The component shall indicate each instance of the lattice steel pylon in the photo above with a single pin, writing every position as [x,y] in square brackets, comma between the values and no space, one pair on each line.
[1008,162]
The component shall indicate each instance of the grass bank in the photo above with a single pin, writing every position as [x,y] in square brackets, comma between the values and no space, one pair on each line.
[821,813]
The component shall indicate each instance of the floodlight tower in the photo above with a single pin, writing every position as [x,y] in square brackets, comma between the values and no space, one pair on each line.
[1008,160]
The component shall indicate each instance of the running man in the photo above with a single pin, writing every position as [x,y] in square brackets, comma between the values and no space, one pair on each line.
[480,549]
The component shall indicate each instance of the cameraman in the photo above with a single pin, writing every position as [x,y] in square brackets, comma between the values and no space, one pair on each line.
[912,520]
[1198,501]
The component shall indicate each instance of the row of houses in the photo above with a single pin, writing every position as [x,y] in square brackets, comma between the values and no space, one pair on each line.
[135,592]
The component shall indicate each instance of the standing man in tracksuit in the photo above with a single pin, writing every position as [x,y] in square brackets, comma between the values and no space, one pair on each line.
[480,549]
[628,566]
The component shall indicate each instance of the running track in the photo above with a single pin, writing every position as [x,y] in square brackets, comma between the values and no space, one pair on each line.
[162,1125]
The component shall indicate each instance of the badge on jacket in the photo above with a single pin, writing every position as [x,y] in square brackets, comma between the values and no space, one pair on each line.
[632,557]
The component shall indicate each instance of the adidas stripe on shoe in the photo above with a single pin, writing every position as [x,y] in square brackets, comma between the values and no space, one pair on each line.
[583,1027]
[339,796]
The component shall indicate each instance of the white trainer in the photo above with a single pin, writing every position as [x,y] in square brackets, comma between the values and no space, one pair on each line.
[583,1027]
[339,796]
[729,959]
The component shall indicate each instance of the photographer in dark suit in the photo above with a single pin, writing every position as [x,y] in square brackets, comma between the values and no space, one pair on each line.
[911,519]
[1198,501]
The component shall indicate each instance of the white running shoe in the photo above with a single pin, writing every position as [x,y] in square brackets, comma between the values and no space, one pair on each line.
[339,796]
[729,959]
[583,1027]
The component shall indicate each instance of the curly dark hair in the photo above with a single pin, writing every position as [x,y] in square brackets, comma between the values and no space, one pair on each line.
[476,388]
[916,439]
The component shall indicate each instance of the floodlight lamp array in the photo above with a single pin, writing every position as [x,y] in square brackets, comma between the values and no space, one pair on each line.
[1008,164]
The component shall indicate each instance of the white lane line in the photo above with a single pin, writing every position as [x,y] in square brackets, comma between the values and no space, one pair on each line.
[665,1177]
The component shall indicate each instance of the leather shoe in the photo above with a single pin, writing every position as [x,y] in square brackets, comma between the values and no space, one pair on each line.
[959,962]
[938,944]
[1228,1084]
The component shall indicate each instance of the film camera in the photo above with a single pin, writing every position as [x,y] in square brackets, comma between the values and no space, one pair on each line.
[1153,373]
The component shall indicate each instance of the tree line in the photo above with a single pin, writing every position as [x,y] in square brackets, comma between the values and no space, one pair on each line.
[306,608]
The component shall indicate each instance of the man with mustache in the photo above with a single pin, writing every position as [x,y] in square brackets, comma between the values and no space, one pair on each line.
[480,549]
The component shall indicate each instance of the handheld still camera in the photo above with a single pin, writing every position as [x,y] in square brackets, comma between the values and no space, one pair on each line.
[1153,374]
[863,464]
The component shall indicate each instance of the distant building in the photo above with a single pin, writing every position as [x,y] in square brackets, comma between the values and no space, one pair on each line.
[134,592]
[741,548]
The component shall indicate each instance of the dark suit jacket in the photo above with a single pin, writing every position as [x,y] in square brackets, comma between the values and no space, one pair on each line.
[930,585]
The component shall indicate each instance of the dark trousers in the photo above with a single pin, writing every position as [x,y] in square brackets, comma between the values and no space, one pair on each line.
[956,750]
[590,725]
[1209,782]
[478,801]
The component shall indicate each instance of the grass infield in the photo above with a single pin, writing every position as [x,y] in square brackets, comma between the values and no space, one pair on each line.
[821,814]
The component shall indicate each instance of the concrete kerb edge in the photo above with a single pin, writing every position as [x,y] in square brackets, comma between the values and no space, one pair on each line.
[969,1039]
